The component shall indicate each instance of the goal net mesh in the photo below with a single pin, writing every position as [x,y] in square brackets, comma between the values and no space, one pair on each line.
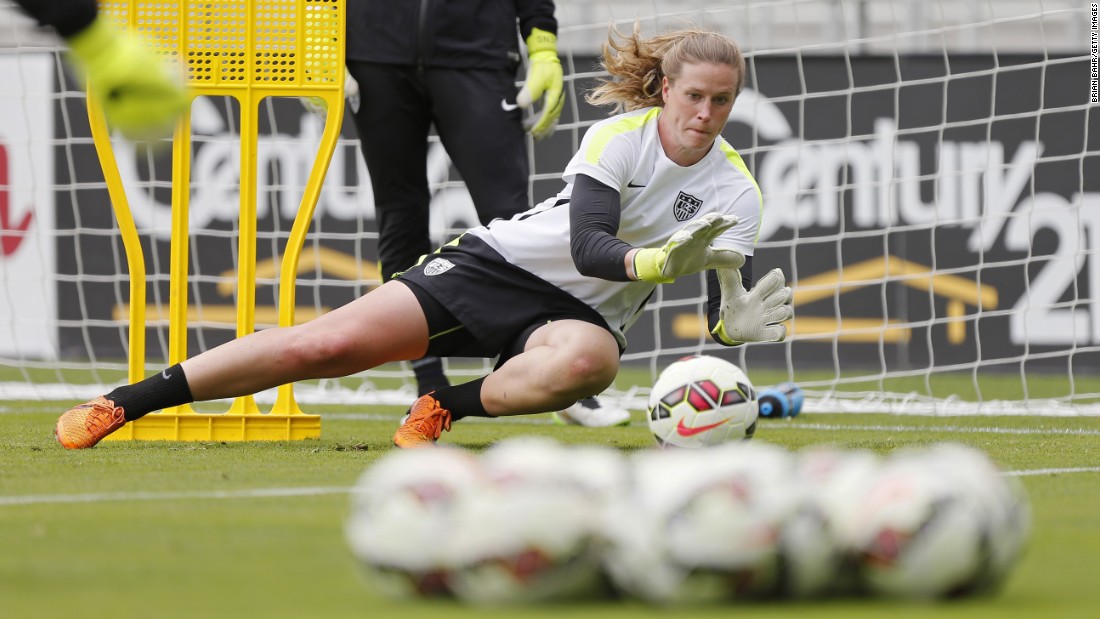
[930,178]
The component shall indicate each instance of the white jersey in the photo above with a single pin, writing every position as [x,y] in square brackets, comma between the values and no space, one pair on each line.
[658,197]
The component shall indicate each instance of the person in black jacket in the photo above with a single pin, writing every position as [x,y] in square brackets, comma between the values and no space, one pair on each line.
[139,96]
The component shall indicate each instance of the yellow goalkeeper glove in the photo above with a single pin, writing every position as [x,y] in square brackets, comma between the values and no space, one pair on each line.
[688,251]
[544,76]
[318,106]
[139,95]
[753,316]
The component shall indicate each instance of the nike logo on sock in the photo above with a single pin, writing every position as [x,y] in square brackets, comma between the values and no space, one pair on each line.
[507,107]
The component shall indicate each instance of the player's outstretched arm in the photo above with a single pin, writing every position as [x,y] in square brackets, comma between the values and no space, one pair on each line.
[756,315]
[688,251]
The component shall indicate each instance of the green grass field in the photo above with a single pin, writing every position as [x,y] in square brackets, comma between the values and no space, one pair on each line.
[255,530]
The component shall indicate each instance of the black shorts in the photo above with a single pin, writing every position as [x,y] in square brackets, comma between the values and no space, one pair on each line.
[479,305]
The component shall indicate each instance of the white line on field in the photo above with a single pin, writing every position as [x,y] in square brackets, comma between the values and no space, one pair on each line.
[246,493]
[398,417]
[1082,469]
[769,425]
[961,429]
[263,493]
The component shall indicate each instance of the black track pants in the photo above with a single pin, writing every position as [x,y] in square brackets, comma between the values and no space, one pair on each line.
[486,142]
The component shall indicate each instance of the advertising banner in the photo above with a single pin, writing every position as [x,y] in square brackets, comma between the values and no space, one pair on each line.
[929,210]
[28,290]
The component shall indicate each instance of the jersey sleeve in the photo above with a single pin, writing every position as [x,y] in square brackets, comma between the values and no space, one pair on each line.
[748,208]
[594,212]
[605,155]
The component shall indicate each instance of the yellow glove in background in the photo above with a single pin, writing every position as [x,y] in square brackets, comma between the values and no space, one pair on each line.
[756,315]
[688,251]
[544,76]
[317,105]
[139,95]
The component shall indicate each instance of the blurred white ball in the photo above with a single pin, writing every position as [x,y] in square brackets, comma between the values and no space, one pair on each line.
[700,525]
[917,533]
[830,483]
[1001,500]
[532,533]
[407,515]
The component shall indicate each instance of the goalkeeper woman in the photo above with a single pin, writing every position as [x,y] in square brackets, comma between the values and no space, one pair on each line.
[653,194]
[452,65]
[138,94]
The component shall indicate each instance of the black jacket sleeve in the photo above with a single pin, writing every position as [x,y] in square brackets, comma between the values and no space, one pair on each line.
[67,17]
[535,14]
[594,210]
[714,295]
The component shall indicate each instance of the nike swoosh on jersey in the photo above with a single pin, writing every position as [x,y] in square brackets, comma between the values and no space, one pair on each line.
[631,184]
[507,107]
[683,430]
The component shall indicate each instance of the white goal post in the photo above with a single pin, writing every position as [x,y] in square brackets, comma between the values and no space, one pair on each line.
[929,170]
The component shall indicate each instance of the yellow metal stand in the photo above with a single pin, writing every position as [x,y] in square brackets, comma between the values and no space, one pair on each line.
[248,50]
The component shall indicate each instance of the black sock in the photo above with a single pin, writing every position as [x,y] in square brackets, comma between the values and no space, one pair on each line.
[168,388]
[429,374]
[462,400]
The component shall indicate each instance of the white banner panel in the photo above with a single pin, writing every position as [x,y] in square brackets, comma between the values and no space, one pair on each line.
[28,287]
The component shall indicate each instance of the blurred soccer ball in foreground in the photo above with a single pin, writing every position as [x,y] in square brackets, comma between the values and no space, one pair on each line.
[918,533]
[407,514]
[701,401]
[999,501]
[700,526]
[534,525]
[831,482]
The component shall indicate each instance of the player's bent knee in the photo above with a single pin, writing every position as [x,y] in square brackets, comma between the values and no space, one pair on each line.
[592,373]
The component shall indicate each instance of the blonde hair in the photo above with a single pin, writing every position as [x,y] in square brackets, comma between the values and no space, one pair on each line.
[636,65]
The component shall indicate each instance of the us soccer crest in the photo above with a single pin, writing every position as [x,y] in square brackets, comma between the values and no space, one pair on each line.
[686,206]
[437,266]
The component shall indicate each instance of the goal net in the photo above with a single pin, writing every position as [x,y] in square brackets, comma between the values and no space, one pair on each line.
[930,177]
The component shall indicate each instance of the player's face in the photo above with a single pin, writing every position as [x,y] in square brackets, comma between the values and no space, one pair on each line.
[697,105]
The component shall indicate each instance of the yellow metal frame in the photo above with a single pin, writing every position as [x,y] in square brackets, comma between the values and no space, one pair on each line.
[248,50]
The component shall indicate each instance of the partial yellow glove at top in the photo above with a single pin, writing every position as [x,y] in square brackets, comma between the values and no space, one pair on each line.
[544,76]
[688,251]
[139,95]
[319,107]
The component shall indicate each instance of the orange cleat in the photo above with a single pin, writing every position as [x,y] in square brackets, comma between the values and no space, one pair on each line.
[426,421]
[83,426]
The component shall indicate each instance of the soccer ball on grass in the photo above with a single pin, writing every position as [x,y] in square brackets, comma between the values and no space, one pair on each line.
[702,400]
